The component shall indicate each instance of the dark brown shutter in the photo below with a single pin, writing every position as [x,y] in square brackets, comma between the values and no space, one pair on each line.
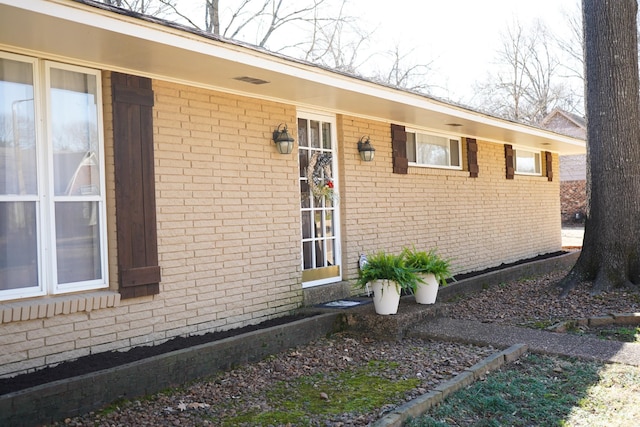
[508,155]
[472,157]
[548,158]
[399,147]
[138,269]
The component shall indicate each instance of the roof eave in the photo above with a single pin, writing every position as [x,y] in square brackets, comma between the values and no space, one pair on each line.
[68,30]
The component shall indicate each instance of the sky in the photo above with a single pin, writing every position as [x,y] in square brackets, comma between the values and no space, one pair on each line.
[461,36]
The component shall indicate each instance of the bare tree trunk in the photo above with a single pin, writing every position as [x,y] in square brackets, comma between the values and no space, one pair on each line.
[212,18]
[610,254]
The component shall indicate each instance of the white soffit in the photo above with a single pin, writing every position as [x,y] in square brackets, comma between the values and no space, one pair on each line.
[73,31]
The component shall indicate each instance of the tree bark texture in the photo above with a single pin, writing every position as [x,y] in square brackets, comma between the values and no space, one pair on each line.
[610,253]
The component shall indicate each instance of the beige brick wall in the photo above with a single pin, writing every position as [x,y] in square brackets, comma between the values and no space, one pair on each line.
[477,222]
[229,232]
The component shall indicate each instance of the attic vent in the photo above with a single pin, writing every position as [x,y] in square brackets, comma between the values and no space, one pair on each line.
[252,80]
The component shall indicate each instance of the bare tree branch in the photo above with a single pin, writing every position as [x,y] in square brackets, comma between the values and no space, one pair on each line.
[528,86]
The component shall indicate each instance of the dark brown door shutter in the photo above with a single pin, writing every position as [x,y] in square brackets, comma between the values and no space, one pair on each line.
[548,158]
[138,270]
[472,157]
[508,155]
[399,147]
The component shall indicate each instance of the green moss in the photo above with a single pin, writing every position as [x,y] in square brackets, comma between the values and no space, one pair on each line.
[542,324]
[621,333]
[355,391]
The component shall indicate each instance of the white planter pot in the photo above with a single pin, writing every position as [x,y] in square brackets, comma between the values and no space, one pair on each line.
[427,292]
[386,296]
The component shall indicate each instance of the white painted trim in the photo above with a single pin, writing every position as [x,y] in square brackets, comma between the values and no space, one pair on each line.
[102,282]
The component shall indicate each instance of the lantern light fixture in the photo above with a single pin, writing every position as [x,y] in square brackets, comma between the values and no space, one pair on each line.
[366,150]
[282,139]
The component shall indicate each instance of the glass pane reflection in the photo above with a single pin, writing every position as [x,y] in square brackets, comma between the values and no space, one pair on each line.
[18,245]
[78,241]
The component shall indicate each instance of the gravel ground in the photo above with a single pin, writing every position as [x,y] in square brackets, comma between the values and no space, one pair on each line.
[211,401]
[534,302]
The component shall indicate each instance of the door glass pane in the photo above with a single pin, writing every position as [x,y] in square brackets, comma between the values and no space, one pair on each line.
[307,248]
[330,257]
[320,254]
[303,141]
[305,195]
[314,137]
[328,224]
[77,241]
[17,129]
[74,133]
[18,245]
[303,159]
[306,225]
[318,223]
[326,135]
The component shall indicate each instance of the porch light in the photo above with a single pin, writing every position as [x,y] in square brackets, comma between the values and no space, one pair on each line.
[284,142]
[366,150]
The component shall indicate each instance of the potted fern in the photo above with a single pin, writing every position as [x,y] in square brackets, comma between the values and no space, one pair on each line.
[431,268]
[388,275]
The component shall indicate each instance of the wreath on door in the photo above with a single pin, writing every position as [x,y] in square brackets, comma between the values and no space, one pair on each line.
[320,178]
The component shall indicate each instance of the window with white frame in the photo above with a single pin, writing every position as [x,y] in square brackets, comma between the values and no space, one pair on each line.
[52,204]
[527,162]
[429,149]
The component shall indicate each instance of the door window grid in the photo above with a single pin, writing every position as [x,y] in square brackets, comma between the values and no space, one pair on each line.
[318,213]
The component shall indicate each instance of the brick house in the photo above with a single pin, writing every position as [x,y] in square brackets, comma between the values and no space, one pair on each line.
[573,168]
[143,197]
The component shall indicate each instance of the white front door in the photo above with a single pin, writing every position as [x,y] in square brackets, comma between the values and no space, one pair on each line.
[319,215]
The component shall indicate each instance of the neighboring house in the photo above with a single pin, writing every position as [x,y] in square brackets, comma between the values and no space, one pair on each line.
[573,168]
[143,197]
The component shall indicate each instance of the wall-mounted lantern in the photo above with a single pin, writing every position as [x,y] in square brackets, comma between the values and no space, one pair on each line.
[366,150]
[284,142]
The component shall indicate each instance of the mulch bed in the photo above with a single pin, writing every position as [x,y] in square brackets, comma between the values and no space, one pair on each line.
[110,359]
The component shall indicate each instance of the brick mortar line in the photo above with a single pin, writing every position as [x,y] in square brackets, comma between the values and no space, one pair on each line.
[421,404]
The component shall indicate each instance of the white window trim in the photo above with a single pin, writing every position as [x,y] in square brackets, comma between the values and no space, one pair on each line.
[528,150]
[45,199]
[444,135]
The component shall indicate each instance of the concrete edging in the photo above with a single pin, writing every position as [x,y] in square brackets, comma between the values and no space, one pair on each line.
[75,396]
[516,272]
[618,319]
[422,404]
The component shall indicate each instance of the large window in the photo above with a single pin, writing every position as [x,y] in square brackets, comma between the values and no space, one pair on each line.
[52,225]
[426,149]
[526,162]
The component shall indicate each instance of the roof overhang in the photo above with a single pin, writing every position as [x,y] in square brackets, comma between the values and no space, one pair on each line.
[72,31]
